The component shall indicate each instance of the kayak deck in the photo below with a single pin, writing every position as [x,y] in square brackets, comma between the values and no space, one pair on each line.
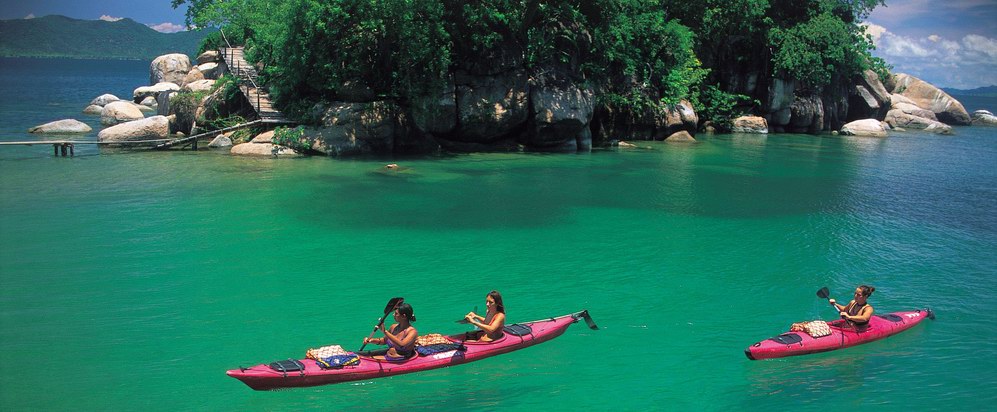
[842,335]
[263,377]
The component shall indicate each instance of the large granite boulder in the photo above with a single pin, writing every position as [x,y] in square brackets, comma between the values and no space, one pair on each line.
[984,118]
[104,99]
[562,112]
[262,150]
[265,137]
[864,127]
[680,136]
[93,109]
[146,91]
[152,128]
[210,56]
[680,117]
[437,114]
[750,124]
[209,70]
[490,107]
[220,141]
[807,115]
[926,96]
[781,95]
[869,98]
[62,126]
[355,128]
[119,112]
[169,68]
[898,118]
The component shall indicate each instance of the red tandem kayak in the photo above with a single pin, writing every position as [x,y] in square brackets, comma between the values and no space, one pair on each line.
[263,377]
[842,335]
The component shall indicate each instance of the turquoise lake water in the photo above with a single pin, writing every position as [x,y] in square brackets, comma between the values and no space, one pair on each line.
[133,280]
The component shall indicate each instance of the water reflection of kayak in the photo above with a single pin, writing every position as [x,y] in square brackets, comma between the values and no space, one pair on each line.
[517,336]
[842,335]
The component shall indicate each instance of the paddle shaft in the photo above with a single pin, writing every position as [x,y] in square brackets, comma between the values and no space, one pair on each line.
[392,304]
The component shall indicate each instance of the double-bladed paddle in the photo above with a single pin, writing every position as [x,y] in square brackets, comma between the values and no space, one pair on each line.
[824,293]
[390,307]
[464,321]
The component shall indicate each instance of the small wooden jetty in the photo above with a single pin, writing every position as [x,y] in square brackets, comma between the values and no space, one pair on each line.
[66,147]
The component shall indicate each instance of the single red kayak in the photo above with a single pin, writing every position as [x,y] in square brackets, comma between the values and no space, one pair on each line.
[842,335]
[265,377]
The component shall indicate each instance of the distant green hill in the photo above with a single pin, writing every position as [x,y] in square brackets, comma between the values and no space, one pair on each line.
[989,91]
[60,36]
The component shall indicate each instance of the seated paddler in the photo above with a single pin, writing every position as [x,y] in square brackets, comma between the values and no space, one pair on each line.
[858,311]
[492,323]
[400,337]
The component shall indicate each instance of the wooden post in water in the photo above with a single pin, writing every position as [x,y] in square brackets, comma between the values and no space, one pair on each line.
[55,150]
[72,151]
[62,148]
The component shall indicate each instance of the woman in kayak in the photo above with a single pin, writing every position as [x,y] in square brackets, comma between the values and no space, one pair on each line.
[858,311]
[400,337]
[494,320]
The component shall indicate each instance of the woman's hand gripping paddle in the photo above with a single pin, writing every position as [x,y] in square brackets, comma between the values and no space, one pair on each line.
[464,321]
[390,307]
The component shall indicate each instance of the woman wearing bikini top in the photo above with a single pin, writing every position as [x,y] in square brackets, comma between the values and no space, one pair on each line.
[858,311]
[400,337]
[492,323]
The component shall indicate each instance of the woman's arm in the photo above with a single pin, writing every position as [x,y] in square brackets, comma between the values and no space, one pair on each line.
[498,321]
[863,316]
[837,306]
[471,316]
[404,341]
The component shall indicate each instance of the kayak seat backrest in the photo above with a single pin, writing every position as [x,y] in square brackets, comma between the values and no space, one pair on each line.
[891,317]
[788,338]
[517,329]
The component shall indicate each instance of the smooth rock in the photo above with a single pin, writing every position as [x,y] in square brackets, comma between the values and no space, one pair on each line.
[143,108]
[265,137]
[146,91]
[200,85]
[169,68]
[262,149]
[93,109]
[898,119]
[209,70]
[152,128]
[150,101]
[750,124]
[104,99]
[119,112]
[927,96]
[192,76]
[220,141]
[210,56]
[680,136]
[864,127]
[62,126]
[984,118]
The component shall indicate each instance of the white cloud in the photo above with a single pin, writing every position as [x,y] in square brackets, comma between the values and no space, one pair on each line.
[109,18]
[167,27]
[981,44]
[964,63]
[29,16]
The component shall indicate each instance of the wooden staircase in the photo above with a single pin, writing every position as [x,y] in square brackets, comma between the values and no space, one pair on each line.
[257,95]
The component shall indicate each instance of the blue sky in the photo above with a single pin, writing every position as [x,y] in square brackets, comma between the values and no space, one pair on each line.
[949,43]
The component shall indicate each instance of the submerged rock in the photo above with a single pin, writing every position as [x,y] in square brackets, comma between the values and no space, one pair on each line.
[62,126]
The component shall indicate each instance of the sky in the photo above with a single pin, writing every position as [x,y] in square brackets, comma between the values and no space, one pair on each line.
[948,43]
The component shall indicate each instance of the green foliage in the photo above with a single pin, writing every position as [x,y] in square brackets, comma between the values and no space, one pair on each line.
[184,105]
[721,107]
[291,138]
[59,36]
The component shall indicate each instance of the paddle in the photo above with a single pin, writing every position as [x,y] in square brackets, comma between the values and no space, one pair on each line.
[390,307]
[824,293]
[464,321]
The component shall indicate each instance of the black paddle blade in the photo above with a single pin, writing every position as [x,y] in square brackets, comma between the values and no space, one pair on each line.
[823,293]
[394,302]
[588,319]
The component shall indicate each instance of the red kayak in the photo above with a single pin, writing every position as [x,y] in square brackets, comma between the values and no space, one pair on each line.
[266,377]
[842,335]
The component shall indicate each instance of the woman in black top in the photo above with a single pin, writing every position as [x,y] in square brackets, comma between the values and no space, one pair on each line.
[858,311]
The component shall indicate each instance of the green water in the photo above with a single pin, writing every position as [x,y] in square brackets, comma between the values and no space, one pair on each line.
[132,281]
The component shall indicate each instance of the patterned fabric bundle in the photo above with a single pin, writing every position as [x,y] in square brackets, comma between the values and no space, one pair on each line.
[325,352]
[431,339]
[338,361]
[426,350]
[815,328]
